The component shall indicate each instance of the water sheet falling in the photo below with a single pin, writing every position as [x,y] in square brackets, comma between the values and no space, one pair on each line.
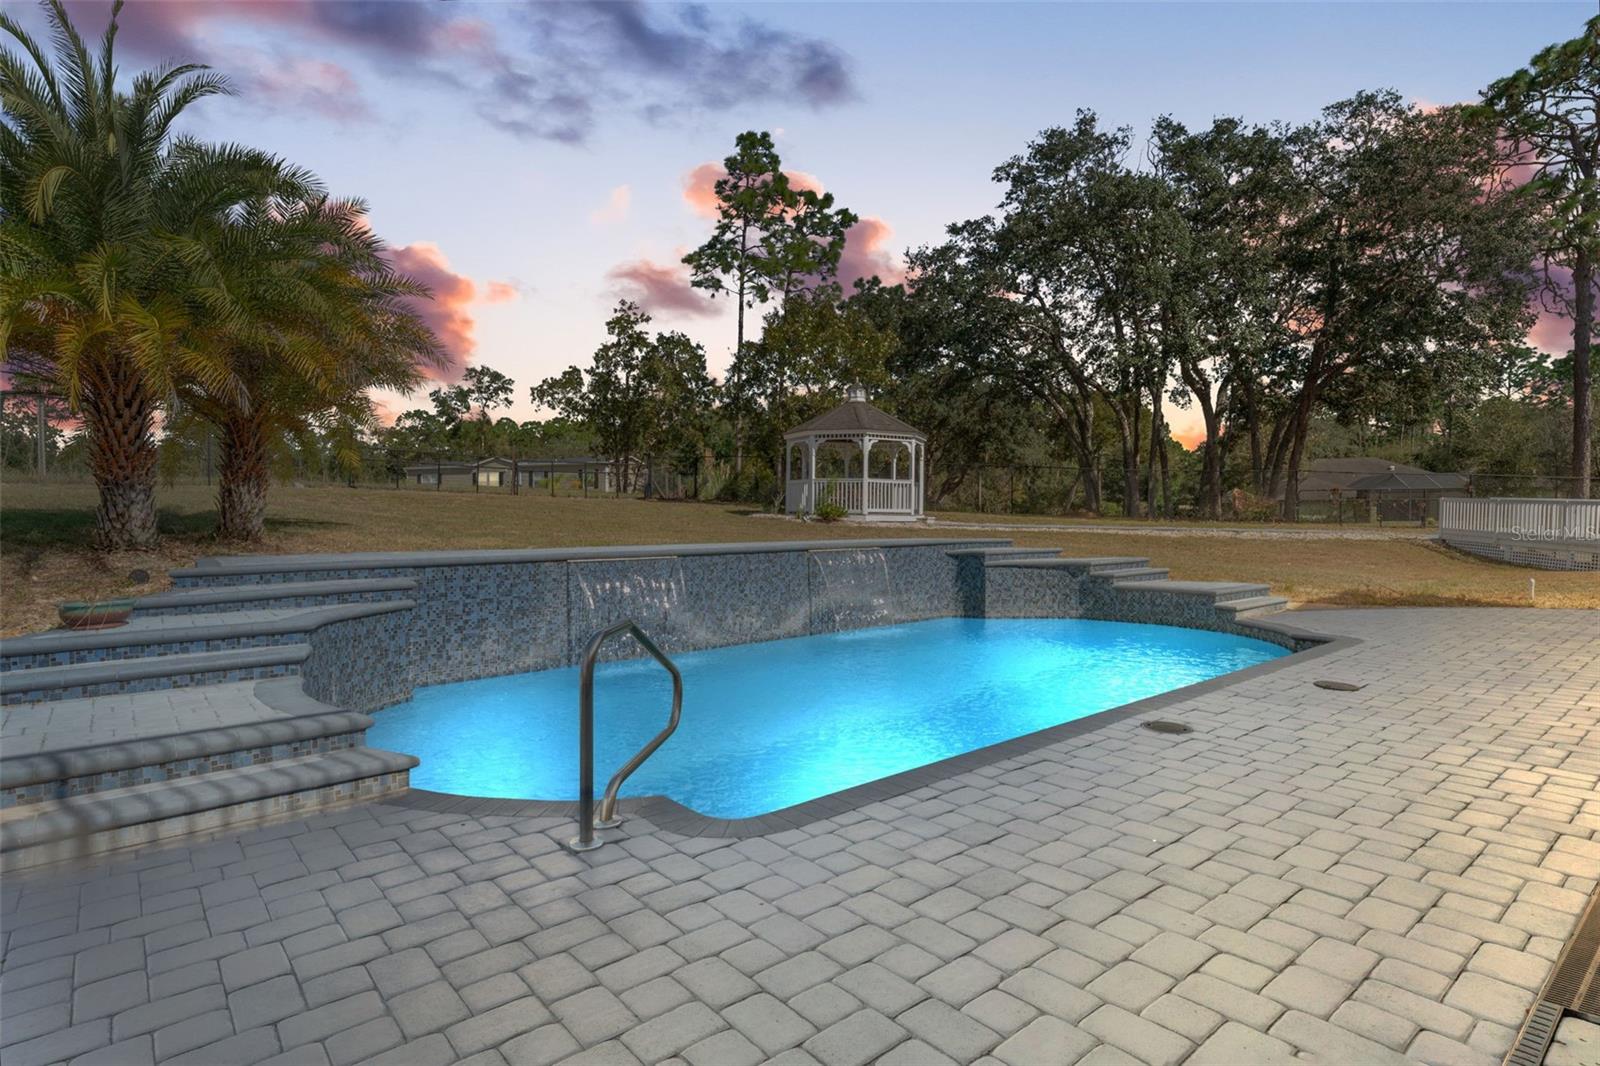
[850,589]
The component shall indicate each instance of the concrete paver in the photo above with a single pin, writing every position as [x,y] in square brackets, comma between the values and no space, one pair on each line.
[1369,875]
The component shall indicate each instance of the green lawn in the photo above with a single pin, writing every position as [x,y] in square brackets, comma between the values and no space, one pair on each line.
[42,528]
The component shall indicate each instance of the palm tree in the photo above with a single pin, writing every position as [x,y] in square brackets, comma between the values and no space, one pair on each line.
[96,192]
[307,314]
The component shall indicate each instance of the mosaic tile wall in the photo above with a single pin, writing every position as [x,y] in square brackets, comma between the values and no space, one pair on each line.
[485,620]
[1032,592]
[361,664]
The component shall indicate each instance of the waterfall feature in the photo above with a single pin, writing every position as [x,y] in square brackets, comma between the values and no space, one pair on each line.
[649,591]
[850,589]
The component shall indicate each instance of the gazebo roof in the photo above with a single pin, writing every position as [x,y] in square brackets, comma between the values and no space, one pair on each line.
[856,415]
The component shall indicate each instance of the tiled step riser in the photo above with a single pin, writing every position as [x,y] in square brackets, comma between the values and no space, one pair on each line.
[1108,570]
[997,554]
[286,602]
[151,684]
[227,580]
[126,652]
[178,769]
[1109,576]
[1251,612]
[239,816]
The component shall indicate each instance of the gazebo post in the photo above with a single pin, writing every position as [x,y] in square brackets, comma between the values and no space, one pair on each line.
[866,487]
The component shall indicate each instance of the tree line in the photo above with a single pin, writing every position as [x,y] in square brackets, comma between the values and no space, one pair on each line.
[1363,280]
[1377,268]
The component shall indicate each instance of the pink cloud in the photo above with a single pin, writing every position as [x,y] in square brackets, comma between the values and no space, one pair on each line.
[447,314]
[616,207]
[180,29]
[384,412]
[867,254]
[1551,332]
[866,251]
[700,186]
[305,84]
[659,287]
[500,292]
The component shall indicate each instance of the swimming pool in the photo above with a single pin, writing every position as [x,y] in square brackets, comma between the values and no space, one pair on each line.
[769,725]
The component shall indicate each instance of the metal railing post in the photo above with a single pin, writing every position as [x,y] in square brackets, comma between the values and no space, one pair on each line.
[608,819]
[585,840]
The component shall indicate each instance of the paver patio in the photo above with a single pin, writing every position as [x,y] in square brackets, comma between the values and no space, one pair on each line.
[1372,876]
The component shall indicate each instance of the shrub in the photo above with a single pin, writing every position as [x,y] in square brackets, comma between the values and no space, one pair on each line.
[828,511]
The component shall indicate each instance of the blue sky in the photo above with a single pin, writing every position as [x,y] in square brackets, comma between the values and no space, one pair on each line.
[530,160]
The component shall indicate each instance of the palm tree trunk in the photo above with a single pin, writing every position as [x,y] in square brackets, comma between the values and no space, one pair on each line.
[119,414]
[242,487]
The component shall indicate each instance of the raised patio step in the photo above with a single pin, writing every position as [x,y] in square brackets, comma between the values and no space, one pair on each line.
[182,634]
[1253,605]
[53,751]
[142,814]
[1089,566]
[1001,554]
[153,672]
[276,594]
[1132,573]
[1216,591]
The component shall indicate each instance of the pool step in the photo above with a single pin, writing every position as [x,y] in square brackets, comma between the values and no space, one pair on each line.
[1252,606]
[143,814]
[275,594]
[153,672]
[166,636]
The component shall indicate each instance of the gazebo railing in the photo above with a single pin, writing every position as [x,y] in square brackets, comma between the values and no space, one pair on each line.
[856,495]
[887,495]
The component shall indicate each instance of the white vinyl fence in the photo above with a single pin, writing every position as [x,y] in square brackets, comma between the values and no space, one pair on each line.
[1552,534]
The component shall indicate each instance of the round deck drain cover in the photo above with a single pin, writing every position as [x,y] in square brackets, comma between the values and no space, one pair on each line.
[1162,726]
[1339,686]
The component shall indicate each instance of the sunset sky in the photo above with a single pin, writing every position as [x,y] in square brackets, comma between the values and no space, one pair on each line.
[533,162]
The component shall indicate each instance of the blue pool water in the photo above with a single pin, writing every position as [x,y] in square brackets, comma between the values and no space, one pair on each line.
[773,724]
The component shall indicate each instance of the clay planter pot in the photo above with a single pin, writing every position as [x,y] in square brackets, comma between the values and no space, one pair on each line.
[95,614]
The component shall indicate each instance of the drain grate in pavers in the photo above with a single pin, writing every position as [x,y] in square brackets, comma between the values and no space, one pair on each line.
[1574,985]
[1163,726]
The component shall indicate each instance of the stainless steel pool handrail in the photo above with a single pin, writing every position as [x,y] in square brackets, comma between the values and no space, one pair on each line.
[587,822]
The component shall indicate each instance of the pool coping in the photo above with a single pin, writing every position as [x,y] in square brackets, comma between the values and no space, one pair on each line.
[226,565]
[671,816]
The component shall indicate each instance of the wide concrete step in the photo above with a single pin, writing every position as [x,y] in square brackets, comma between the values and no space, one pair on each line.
[1215,591]
[152,672]
[65,748]
[1085,567]
[275,594]
[84,825]
[168,635]
[1253,605]
[1133,573]
[992,555]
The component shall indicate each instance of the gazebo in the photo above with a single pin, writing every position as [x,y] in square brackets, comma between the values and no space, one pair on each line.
[864,460]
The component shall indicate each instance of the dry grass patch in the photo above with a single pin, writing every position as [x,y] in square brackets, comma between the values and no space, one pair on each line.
[43,525]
